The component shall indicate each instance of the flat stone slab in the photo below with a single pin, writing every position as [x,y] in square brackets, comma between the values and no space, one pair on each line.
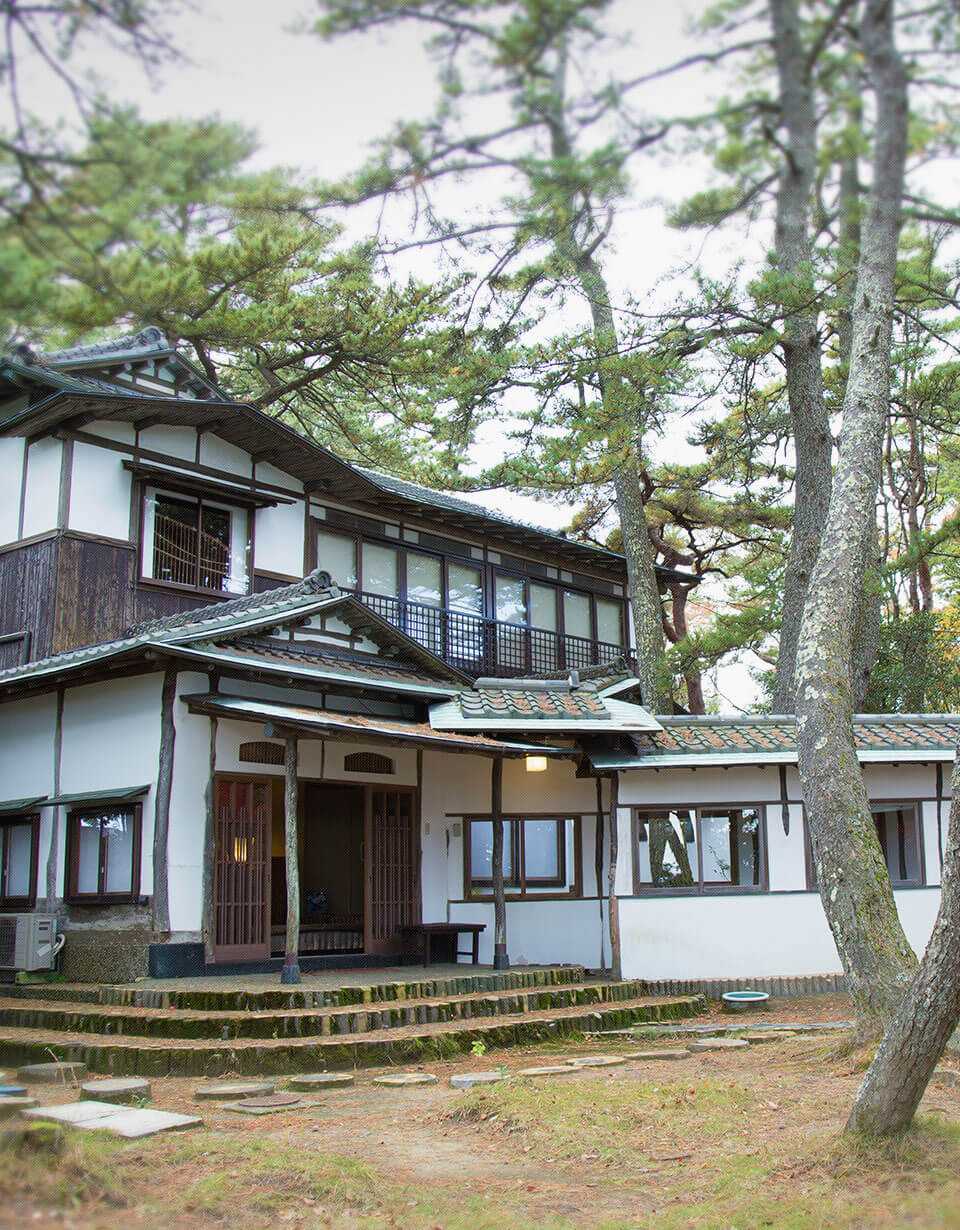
[548,1070]
[654,1056]
[596,1061]
[402,1079]
[12,1104]
[122,1090]
[106,1117]
[767,1035]
[718,1044]
[13,1091]
[229,1091]
[320,1080]
[51,1073]
[273,1104]
[466,1080]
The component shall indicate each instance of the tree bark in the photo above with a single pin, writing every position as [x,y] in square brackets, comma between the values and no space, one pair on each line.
[161,815]
[613,911]
[813,443]
[291,842]
[927,1015]
[853,881]
[500,958]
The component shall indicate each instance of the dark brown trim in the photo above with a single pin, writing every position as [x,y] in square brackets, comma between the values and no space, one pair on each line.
[29,900]
[523,884]
[78,535]
[283,577]
[703,888]
[101,897]
[915,803]
[66,479]
[191,484]
[21,516]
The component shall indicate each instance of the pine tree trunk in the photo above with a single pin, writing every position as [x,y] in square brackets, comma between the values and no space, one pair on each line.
[813,444]
[927,1015]
[853,881]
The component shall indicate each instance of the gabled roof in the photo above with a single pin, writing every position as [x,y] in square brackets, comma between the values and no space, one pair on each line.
[202,634]
[705,741]
[535,705]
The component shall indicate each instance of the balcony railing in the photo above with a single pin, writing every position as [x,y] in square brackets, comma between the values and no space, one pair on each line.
[488,647]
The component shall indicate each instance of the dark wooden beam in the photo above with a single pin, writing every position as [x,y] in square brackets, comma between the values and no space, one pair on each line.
[500,958]
[290,973]
[210,850]
[612,906]
[161,821]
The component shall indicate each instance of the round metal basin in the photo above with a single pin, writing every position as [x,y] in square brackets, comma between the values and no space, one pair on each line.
[744,1001]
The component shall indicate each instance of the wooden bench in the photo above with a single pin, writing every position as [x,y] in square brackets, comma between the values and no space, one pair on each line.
[422,935]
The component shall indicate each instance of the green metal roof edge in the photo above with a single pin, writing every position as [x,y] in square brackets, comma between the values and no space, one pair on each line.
[15,805]
[114,795]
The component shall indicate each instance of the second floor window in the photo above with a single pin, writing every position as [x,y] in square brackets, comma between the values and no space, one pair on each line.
[195,543]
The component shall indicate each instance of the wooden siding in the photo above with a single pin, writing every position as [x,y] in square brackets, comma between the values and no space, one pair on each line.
[94,584]
[28,580]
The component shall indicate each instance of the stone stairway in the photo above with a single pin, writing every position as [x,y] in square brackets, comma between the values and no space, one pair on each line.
[203,1030]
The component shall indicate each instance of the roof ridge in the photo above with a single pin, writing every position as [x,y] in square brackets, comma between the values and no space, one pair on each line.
[150,338]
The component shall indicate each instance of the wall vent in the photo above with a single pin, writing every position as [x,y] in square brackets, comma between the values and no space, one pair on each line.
[367,762]
[262,753]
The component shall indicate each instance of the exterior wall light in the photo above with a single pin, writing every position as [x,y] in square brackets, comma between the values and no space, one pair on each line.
[536,764]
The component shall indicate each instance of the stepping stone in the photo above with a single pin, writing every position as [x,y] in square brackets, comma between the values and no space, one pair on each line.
[105,1116]
[767,1035]
[11,1104]
[228,1091]
[320,1080]
[270,1105]
[13,1091]
[596,1061]
[654,1056]
[548,1070]
[718,1044]
[402,1079]
[123,1090]
[51,1073]
[466,1080]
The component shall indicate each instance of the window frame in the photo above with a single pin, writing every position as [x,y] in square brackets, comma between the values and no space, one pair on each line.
[489,571]
[701,888]
[877,805]
[520,882]
[101,897]
[222,503]
[28,901]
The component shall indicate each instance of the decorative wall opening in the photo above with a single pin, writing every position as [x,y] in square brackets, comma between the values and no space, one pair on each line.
[262,753]
[367,762]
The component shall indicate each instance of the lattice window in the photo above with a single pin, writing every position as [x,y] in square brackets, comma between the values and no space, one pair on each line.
[262,753]
[367,762]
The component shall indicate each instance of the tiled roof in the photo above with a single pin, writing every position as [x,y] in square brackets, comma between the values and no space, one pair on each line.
[532,705]
[299,657]
[692,740]
[149,340]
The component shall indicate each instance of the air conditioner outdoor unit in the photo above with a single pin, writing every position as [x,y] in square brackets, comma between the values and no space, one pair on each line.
[29,941]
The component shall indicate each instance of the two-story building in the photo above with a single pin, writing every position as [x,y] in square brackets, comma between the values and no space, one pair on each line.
[189,589]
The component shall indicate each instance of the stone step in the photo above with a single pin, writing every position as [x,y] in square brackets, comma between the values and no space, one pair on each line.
[210,995]
[122,1056]
[108,1021]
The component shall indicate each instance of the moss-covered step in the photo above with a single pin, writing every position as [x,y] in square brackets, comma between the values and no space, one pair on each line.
[127,1056]
[306,1022]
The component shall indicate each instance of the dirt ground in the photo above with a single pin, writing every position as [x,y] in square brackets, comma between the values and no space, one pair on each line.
[742,1138]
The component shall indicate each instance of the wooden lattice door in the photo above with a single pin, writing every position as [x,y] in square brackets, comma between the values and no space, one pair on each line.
[392,856]
[242,871]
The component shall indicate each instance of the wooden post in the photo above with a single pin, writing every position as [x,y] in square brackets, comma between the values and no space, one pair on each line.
[598,865]
[500,958]
[291,966]
[612,907]
[210,852]
[53,855]
[161,817]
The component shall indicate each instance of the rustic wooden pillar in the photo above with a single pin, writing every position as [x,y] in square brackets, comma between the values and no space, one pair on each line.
[291,966]
[209,922]
[598,866]
[53,854]
[161,816]
[500,958]
[612,907]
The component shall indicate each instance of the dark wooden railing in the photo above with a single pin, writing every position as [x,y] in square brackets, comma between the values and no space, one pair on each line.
[487,646]
[185,555]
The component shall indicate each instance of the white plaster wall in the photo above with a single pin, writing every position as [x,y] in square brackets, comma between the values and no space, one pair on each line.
[278,541]
[222,455]
[99,493]
[111,739]
[11,467]
[171,442]
[318,759]
[26,762]
[43,487]
[191,767]
[123,433]
[764,935]
[540,932]
[266,473]
[934,838]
